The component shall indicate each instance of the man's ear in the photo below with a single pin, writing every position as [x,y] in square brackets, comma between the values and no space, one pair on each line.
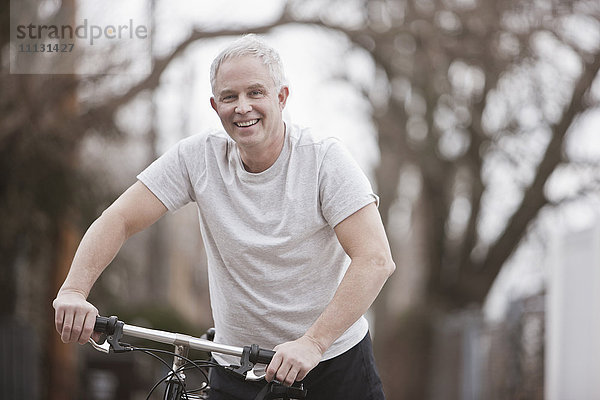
[213,103]
[284,92]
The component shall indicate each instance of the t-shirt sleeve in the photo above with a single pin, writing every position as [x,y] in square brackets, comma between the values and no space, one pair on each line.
[168,178]
[343,186]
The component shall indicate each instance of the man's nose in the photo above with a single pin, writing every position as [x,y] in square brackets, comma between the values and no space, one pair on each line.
[243,106]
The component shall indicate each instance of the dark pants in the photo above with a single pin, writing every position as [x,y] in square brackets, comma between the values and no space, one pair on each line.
[351,375]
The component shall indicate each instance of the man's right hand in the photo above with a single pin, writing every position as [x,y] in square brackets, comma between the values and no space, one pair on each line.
[74,317]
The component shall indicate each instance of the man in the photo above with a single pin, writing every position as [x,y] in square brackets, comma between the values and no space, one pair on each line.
[296,248]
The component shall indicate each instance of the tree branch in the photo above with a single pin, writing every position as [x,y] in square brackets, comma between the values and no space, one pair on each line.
[534,198]
[592,187]
[111,104]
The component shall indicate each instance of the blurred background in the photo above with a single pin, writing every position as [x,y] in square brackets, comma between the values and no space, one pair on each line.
[477,121]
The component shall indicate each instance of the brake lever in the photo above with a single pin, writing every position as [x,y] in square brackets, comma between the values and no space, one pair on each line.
[251,376]
[104,347]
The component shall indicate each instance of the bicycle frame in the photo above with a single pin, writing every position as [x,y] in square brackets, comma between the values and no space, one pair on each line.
[249,356]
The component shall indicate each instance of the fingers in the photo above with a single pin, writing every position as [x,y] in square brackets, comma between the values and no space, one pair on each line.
[293,360]
[282,370]
[67,326]
[77,327]
[288,373]
[273,366]
[302,374]
[88,327]
[59,317]
[290,377]
[74,318]
[285,370]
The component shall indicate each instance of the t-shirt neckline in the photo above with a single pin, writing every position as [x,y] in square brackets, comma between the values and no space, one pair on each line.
[269,172]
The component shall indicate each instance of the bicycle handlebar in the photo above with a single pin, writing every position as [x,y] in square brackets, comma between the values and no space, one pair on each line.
[249,355]
[110,325]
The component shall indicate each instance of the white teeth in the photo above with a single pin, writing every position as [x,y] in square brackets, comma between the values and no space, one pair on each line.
[247,123]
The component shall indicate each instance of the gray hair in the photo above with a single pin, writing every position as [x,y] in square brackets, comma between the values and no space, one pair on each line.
[250,45]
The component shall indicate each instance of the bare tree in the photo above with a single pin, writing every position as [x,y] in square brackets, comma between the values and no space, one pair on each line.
[449,114]
[45,199]
[478,88]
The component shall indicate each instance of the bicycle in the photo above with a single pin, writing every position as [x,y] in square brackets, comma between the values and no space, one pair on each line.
[112,331]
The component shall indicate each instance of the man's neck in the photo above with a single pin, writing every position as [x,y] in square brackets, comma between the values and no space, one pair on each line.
[260,159]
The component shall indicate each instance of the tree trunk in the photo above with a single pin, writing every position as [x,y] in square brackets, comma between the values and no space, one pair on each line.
[403,328]
[403,359]
[63,374]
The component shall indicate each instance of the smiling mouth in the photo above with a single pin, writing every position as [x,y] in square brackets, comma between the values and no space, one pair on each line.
[246,124]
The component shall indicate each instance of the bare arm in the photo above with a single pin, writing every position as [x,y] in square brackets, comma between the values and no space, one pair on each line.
[136,209]
[363,238]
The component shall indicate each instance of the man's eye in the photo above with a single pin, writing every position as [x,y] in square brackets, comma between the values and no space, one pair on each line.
[256,93]
[228,98]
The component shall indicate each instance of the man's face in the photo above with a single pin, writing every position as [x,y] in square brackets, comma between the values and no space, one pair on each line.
[248,103]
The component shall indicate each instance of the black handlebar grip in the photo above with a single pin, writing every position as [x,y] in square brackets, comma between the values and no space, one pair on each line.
[265,356]
[210,334]
[105,324]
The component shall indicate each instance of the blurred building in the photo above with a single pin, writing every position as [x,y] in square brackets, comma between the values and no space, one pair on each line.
[573,318]
[545,347]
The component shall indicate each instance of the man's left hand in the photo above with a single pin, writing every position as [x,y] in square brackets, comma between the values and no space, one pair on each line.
[293,360]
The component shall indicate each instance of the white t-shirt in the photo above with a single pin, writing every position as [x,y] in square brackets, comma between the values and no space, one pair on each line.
[274,261]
